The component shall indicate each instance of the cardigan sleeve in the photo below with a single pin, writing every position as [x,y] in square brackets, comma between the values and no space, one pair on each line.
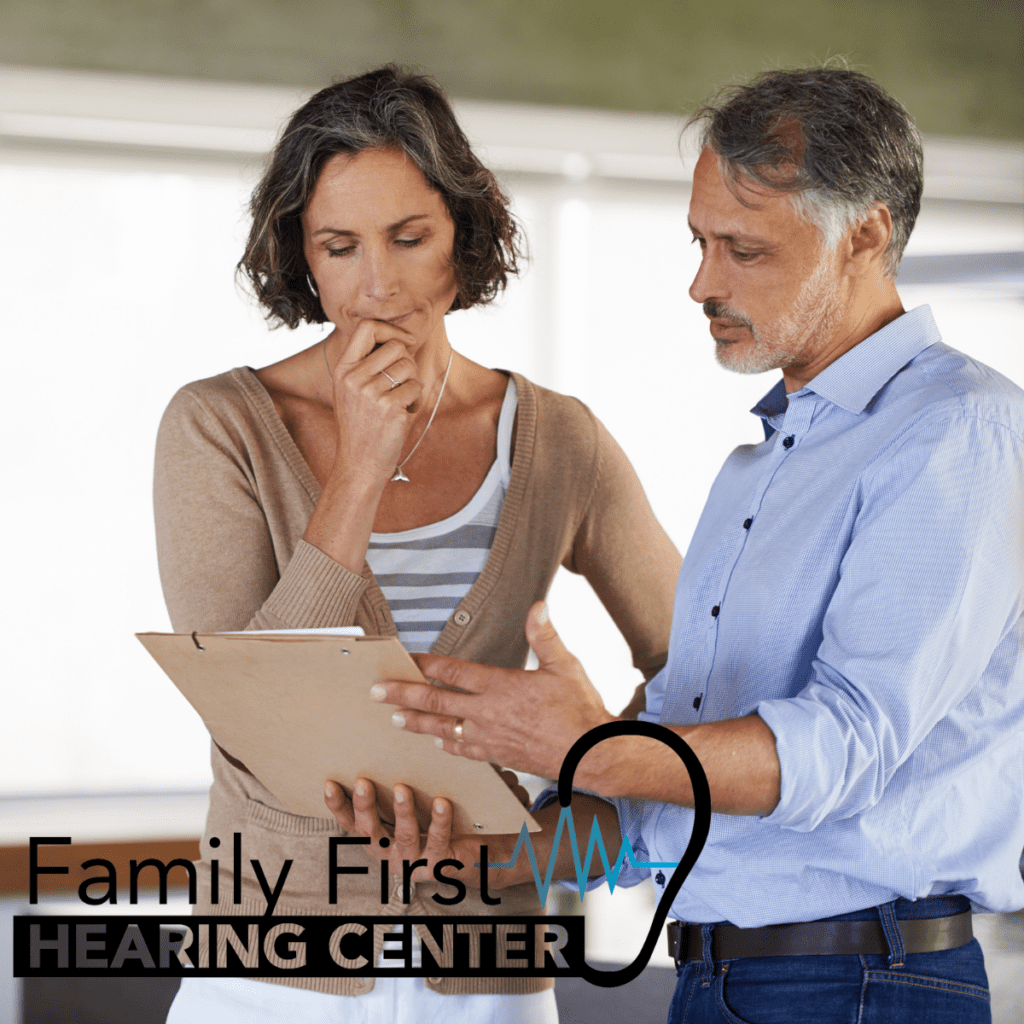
[218,553]
[626,556]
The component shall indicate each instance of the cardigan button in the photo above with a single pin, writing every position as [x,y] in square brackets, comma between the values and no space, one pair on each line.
[434,981]
[462,617]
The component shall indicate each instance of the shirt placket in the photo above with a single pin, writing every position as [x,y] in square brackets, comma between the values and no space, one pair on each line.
[790,428]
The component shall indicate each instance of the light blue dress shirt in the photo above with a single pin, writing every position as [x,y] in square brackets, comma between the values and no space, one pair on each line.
[857,579]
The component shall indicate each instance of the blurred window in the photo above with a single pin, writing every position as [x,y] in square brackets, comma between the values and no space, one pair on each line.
[118,241]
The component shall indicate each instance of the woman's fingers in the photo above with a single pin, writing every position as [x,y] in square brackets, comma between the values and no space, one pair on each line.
[364,807]
[339,805]
[367,336]
[407,828]
[439,835]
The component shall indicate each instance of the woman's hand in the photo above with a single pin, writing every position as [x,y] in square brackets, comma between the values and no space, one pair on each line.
[373,392]
[372,417]
[358,813]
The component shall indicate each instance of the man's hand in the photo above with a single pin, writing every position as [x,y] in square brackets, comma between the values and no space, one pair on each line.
[526,720]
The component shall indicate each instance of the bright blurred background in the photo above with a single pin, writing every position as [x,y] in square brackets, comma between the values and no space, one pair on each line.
[130,136]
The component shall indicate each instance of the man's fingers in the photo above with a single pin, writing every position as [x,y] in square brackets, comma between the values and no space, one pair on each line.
[463,675]
[468,750]
[512,781]
[431,700]
[545,642]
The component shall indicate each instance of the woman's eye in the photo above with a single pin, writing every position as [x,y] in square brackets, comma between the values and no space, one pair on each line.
[409,243]
[341,252]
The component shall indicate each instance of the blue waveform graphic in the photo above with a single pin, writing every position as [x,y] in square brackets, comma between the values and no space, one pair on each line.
[565,823]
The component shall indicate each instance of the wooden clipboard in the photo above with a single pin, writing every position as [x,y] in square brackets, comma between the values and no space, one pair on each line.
[296,711]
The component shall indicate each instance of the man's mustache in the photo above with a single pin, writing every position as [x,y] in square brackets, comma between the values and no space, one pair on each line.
[719,311]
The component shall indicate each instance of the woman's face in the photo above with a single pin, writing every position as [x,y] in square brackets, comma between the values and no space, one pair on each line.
[378,240]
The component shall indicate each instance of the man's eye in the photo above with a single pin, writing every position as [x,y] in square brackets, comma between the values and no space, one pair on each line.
[744,257]
[699,241]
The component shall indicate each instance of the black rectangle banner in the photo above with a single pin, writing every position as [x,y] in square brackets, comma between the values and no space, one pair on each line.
[96,946]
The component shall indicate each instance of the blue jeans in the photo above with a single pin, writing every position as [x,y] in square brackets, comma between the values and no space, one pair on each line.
[947,987]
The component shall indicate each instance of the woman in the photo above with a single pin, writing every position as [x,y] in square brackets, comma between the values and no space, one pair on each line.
[463,488]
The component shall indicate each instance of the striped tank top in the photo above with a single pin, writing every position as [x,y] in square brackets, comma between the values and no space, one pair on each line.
[424,573]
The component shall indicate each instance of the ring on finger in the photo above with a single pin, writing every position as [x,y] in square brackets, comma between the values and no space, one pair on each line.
[394,383]
[458,729]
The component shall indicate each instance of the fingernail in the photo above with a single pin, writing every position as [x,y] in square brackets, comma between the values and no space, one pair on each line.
[398,720]
[543,615]
[329,791]
[438,807]
[438,742]
[399,797]
[377,692]
[360,789]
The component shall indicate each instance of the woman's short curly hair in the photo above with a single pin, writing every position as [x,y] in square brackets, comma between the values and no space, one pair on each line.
[383,109]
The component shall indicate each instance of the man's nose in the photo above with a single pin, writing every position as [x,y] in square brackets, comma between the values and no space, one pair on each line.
[708,283]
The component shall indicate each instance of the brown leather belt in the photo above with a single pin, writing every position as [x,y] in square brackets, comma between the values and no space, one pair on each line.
[817,938]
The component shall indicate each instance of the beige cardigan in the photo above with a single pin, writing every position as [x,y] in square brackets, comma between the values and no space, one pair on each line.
[233,496]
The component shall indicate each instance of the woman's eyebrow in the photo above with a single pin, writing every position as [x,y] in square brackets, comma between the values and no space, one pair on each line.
[391,228]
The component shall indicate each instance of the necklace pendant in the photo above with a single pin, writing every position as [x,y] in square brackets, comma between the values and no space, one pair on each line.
[400,476]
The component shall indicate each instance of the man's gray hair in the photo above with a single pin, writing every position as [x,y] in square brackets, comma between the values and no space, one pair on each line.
[832,138]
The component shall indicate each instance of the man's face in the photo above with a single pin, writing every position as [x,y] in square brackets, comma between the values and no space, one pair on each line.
[768,285]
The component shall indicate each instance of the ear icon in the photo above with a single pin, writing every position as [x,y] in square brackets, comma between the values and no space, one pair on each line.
[698,837]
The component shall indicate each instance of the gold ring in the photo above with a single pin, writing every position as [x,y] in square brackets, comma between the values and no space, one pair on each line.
[457,729]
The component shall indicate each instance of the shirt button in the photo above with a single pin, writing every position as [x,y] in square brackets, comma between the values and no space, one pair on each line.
[746,523]
[462,618]
[696,701]
[714,612]
[788,442]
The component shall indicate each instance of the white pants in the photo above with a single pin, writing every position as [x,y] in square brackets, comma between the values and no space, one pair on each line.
[392,1001]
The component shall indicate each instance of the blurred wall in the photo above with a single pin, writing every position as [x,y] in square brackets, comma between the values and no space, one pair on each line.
[958,66]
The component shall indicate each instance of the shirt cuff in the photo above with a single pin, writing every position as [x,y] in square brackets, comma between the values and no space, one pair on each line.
[628,875]
[315,591]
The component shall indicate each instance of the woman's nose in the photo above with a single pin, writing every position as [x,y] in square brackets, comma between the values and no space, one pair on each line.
[380,277]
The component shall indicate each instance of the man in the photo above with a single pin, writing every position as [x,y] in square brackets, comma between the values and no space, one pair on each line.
[846,645]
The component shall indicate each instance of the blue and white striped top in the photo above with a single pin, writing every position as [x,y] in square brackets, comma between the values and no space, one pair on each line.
[424,573]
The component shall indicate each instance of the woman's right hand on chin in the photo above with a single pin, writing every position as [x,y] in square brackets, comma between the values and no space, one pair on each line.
[374,389]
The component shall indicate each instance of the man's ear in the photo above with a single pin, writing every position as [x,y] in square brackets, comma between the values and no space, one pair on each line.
[868,240]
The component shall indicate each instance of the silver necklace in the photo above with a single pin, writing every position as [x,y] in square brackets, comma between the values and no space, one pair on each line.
[399,475]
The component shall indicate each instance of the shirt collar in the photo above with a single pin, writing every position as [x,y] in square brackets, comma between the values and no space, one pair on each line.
[858,375]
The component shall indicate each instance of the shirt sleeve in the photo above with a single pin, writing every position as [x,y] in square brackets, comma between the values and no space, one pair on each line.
[218,563]
[628,875]
[929,586]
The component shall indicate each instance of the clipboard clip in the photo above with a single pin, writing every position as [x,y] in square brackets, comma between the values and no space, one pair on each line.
[196,642]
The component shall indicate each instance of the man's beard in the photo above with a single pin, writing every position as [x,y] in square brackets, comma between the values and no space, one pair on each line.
[782,342]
